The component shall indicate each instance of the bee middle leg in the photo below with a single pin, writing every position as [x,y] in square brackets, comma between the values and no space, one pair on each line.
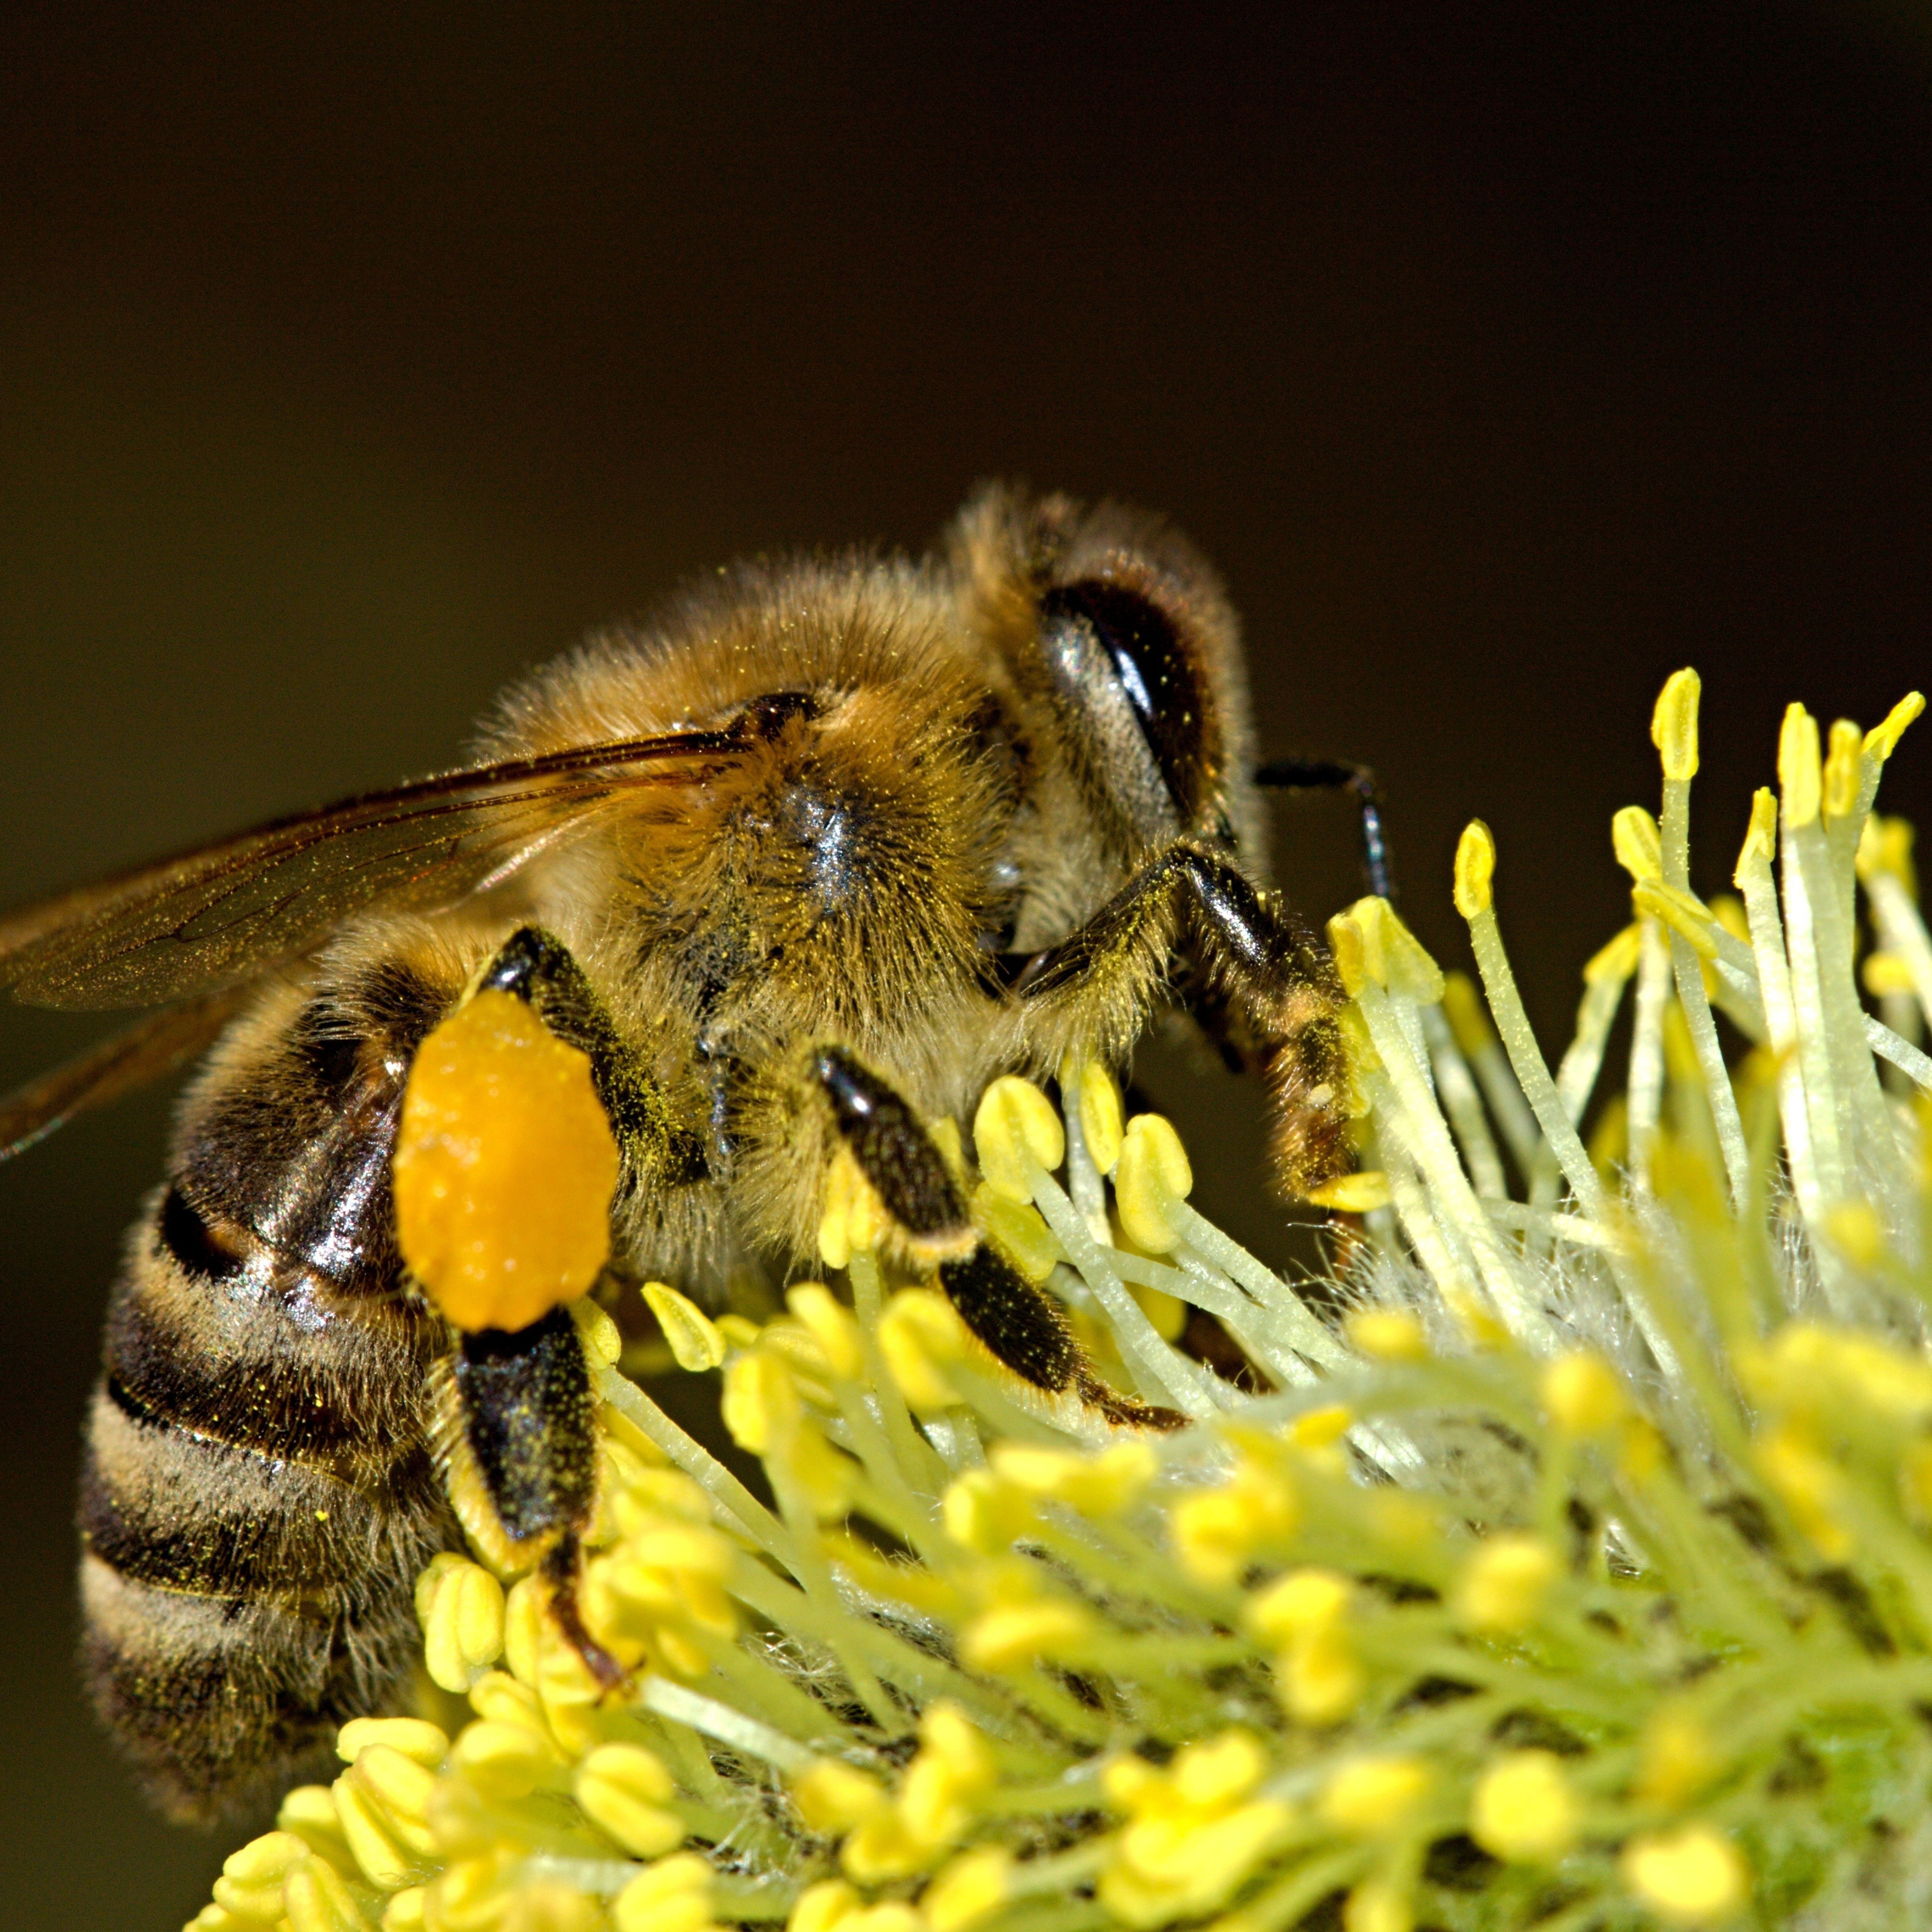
[1021,1326]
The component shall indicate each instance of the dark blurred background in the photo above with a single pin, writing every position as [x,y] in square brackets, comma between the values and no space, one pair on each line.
[1504,359]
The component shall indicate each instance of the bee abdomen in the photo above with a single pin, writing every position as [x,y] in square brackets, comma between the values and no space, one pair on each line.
[256,1500]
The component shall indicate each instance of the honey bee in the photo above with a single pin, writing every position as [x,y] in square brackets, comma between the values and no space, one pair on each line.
[800,870]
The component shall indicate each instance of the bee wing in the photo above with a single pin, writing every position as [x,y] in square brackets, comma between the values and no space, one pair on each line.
[211,917]
[152,1048]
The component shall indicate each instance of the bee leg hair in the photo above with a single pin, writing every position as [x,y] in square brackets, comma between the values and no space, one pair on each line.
[1278,982]
[1020,1326]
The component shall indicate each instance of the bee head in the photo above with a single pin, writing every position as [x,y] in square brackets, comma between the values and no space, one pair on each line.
[1114,628]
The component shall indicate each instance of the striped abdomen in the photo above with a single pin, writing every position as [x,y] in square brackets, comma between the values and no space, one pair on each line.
[258,1494]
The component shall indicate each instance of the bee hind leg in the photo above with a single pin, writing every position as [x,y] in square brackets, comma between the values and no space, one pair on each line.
[1019,1324]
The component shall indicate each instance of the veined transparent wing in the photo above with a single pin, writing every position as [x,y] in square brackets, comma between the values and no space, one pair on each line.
[211,918]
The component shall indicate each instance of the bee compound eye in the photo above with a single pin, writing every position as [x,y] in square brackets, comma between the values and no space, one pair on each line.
[1107,628]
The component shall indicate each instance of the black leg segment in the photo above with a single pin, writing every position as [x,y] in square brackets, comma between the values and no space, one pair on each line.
[894,1152]
[1333,774]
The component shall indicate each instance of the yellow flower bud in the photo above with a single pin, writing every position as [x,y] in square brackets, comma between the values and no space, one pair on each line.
[251,1880]
[425,1743]
[1843,768]
[1018,1232]
[918,1333]
[1299,1604]
[1099,1483]
[833,1797]
[1882,739]
[820,1907]
[1638,843]
[1359,1193]
[1013,1636]
[760,1404]
[673,1895]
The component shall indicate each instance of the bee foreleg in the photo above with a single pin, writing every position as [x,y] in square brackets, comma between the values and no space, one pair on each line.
[1021,1326]
[1275,976]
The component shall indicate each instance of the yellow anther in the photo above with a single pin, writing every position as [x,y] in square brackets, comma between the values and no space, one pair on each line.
[1616,961]
[1881,740]
[1218,1772]
[1800,774]
[1760,845]
[673,1895]
[624,1790]
[1728,911]
[984,1512]
[1376,1797]
[506,1761]
[1299,1605]
[1320,1679]
[1217,1532]
[1811,1485]
[1348,947]
[695,1342]
[739,1331]
[1167,1314]
[425,1743]
[1361,1193]
[1855,1229]
[1015,1130]
[820,1907]
[315,1899]
[1099,1101]
[855,1220]
[1677,1758]
[1099,1484]
[1638,843]
[1018,1232]
[376,1846]
[1885,850]
[919,1332]
[308,1811]
[251,1880]
[828,1477]
[1683,912]
[1582,1394]
[1525,1809]
[1688,1877]
[833,1797]
[1377,1906]
[1475,869]
[1153,1173]
[1673,725]
[974,1884]
[1319,1428]
[1505,1582]
[1886,975]
[760,1404]
[399,1784]
[880,1851]
[895,1914]
[1392,955]
[831,1326]
[460,1606]
[407,1910]
[1468,1017]
[1012,1636]
[601,1340]
[504,1168]
[1388,1334]
[943,1133]
[1843,769]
